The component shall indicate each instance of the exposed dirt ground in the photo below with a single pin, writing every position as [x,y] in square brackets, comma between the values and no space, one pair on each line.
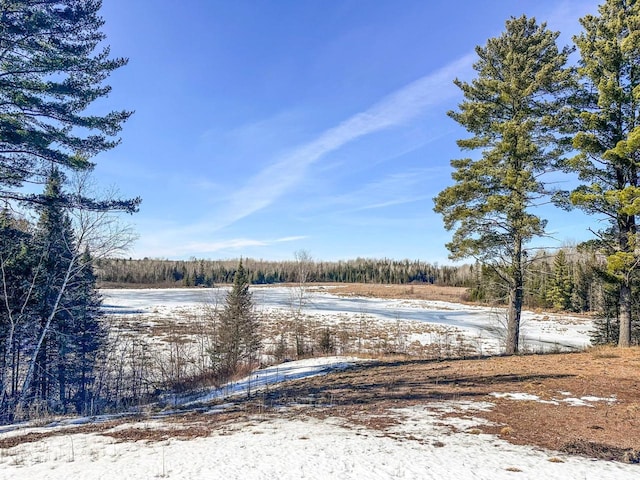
[602,429]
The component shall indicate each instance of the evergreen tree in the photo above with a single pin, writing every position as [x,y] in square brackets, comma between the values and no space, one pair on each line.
[89,333]
[508,109]
[53,68]
[561,285]
[16,320]
[608,139]
[238,339]
[584,285]
[55,245]
[67,333]
[54,64]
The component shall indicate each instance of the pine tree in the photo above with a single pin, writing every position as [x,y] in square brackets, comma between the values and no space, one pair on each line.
[16,321]
[55,245]
[54,64]
[608,139]
[508,108]
[66,333]
[606,327]
[53,68]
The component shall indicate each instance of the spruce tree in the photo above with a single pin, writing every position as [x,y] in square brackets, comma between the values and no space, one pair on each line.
[66,332]
[54,67]
[16,319]
[238,339]
[57,250]
[508,108]
[89,333]
[561,283]
[608,140]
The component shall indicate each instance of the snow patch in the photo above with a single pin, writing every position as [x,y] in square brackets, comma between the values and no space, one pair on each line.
[585,401]
[262,379]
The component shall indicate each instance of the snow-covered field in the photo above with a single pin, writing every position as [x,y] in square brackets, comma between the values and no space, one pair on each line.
[421,321]
[424,443]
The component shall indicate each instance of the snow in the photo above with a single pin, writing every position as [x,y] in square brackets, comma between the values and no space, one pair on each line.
[585,401]
[272,376]
[523,397]
[425,443]
[482,327]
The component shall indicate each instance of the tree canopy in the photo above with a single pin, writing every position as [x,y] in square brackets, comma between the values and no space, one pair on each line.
[53,65]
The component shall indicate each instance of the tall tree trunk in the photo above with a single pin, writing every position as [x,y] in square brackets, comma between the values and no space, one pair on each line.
[513,319]
[624,302]
[628,231]
[516,296]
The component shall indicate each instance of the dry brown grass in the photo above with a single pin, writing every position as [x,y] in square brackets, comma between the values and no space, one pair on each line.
[603,430]
[32,437]
[410,292]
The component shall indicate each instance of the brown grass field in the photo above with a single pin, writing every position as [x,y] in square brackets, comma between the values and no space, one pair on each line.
[604,429]
[367,394]
[416,291]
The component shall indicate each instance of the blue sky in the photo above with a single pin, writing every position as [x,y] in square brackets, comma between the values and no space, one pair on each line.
[266,127]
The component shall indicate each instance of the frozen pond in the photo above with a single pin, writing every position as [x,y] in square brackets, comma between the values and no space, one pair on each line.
[542,331]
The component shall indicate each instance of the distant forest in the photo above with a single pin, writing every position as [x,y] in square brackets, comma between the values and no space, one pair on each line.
[563,280]
[207,273]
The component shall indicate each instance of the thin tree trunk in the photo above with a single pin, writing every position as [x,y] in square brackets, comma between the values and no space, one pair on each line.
[513,320]
[11,356]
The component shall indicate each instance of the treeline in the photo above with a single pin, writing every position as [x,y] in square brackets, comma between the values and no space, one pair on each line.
[563,280]
[207,273]
[571,280]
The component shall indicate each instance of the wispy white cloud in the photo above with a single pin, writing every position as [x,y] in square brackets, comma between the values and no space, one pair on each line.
[397,108]
[564,15]
[291,239]
[158,247]
[289,170]
[232,244]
